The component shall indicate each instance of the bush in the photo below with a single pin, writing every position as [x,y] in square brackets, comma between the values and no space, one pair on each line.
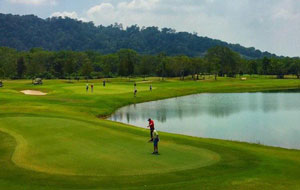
[97,75]
[46,75]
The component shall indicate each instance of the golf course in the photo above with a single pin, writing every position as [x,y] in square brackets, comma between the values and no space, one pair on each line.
[61,140]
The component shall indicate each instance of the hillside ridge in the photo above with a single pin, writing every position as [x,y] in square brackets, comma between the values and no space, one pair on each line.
[29,31]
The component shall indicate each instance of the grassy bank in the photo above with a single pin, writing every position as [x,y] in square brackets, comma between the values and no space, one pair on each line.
[57,141]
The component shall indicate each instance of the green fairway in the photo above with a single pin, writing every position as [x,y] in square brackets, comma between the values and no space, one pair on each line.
[59,141]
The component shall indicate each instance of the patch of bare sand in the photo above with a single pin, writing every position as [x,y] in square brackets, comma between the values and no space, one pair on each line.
[145,81]
[33,93]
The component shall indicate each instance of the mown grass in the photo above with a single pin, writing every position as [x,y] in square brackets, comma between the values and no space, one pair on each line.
[58,141]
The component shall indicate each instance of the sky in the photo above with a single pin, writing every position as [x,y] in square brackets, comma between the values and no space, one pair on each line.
[268,25]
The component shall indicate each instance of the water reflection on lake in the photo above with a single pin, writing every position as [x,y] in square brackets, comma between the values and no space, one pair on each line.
[267,118]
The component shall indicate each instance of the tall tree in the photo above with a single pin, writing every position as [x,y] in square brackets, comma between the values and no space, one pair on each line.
[127,59]
[8,62]
[252,67]
[2,74]
[296,68]
[87,68]
[109,65]
[161,65]
[69,66]
[224,60]
[265,66]
[145,66]
[197,67]
[20,67]
[36,61]
[182,66]
[278,68]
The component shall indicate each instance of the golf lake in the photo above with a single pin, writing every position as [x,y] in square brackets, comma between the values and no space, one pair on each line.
[271,118]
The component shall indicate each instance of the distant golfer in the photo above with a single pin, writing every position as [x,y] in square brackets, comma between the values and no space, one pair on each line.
[151,126]
[104,83]
[135,92]
[150,87]
[87,87]
[92,87]
[155,142]
[134,85]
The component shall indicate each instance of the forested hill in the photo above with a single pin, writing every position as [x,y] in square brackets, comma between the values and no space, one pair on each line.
[26,32]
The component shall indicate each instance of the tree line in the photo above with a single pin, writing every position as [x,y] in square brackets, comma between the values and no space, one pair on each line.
[218,61]
[55,34]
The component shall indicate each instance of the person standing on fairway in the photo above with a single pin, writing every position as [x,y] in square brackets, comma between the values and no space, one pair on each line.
[104,83]
[135,92]
[155,142]
[151,126]
[87,87]
[92,87]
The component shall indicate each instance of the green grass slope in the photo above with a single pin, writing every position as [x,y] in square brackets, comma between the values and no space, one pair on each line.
[57,142]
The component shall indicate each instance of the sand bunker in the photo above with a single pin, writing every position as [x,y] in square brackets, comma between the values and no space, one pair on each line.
[146,81]
[33,93]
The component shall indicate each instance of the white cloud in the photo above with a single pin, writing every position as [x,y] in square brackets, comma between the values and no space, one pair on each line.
[286,10]
[141,5]
[102,14]
[33,2]
[125,12]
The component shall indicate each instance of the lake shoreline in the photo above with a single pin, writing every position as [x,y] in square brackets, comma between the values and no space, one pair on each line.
[267,90]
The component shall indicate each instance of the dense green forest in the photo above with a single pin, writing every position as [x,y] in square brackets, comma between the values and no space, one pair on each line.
[218,61]
[55,34]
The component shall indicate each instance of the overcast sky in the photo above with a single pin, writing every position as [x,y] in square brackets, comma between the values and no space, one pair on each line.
[269,25]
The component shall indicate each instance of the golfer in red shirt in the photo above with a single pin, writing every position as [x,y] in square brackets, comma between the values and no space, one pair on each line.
[151,126]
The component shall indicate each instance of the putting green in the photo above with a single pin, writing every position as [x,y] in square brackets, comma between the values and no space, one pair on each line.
[73,147]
